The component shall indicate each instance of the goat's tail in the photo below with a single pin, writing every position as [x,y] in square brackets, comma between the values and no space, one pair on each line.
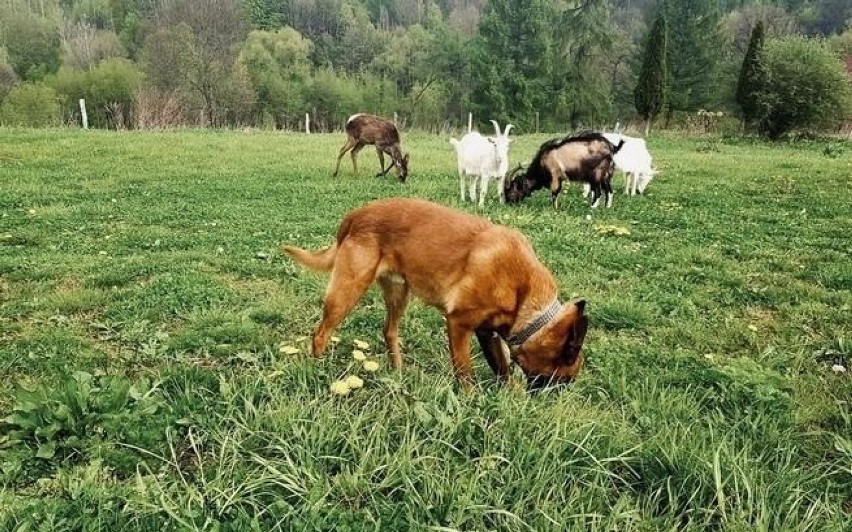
[620,144]
[316,260]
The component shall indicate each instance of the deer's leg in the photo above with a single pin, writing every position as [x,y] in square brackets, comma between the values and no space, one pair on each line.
[382,161]
[346,147]
[354,153]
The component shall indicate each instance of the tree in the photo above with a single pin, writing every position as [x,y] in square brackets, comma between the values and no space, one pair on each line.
[32,43]
[32,105]
[651,89]
[8,78]
[694,54]
[752,77]
[580,90]
[507,65]
[806,87]
[279,69]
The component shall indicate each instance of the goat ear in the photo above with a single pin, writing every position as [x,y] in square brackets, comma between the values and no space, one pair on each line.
[491,140]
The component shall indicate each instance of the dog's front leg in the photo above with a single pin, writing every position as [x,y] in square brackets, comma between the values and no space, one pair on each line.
[459,335]
[492,348]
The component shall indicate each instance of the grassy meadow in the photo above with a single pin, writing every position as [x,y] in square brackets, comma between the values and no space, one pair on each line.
[148,324]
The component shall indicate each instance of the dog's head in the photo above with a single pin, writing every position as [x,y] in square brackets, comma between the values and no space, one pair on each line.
[553,355]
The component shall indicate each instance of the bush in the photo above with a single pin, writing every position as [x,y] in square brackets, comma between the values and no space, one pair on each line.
[108,89]
[30,104]
[8,78]
[806,87]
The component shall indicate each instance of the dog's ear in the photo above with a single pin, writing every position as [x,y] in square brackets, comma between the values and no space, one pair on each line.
[576,335]
[581,306]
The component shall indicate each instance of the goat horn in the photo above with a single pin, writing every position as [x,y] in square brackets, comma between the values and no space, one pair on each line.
[506,131]
[496,127]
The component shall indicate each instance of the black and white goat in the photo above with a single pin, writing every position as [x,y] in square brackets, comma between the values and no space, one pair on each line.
[583,157]
[481,158]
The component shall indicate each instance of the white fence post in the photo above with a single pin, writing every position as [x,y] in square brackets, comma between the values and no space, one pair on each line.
[395,119]
[83,113]
[308,123]
[469,122]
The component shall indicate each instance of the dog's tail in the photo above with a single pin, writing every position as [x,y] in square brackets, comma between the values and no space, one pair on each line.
[316,260]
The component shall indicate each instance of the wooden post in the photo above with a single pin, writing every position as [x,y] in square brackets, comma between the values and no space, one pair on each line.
[83,113]
[469,122]
[308,123]
[395,118]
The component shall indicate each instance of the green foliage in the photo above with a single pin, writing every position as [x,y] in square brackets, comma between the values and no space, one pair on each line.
[32,105]
[651,90]
[32,43]
[806,87]
[694,53]
[8,78]
[108,89]
[507,66]
[278,66]
[752,79]
[86,416]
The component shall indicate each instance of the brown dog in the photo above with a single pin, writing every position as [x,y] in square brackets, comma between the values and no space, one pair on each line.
[485,278]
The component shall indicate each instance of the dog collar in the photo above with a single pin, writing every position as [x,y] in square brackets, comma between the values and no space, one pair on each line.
[516,340]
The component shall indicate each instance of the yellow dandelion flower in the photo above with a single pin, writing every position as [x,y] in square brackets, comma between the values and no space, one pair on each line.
[359,355]
[354,382]
[335,339]
[371,365]
[360,344]
[340,388]
[288,350]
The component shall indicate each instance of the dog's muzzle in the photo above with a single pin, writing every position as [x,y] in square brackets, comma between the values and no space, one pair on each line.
[536,383]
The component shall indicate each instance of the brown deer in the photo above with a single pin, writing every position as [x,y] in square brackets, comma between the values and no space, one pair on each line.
[363,129]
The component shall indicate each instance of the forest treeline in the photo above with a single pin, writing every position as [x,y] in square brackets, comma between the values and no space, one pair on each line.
[552,64]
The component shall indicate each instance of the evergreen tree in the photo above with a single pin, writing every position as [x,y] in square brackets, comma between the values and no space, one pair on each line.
[509,65]
[752,76]
[694,54]
[651,89]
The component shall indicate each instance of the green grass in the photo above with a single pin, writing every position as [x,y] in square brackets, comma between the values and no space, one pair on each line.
[143,303]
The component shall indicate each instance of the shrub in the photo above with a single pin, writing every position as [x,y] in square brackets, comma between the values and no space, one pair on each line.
[806,87]
[8,78]
[108,89]
[30,104]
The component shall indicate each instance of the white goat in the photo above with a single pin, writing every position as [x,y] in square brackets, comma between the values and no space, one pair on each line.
[481,158]
[635,161]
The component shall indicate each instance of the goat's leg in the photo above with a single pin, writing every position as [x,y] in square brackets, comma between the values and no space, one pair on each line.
[346,147]
[472,190]
[501,190]
[554,196]
[628,183]
[596,195]
[587,189]
[462,177]
[607,186]
[483,188]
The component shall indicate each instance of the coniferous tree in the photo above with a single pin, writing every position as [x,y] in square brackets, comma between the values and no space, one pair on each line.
[752,77]
[651,89]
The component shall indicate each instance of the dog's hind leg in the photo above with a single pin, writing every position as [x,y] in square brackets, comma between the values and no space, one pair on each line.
[395,291]
[492,348]
[354,270]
